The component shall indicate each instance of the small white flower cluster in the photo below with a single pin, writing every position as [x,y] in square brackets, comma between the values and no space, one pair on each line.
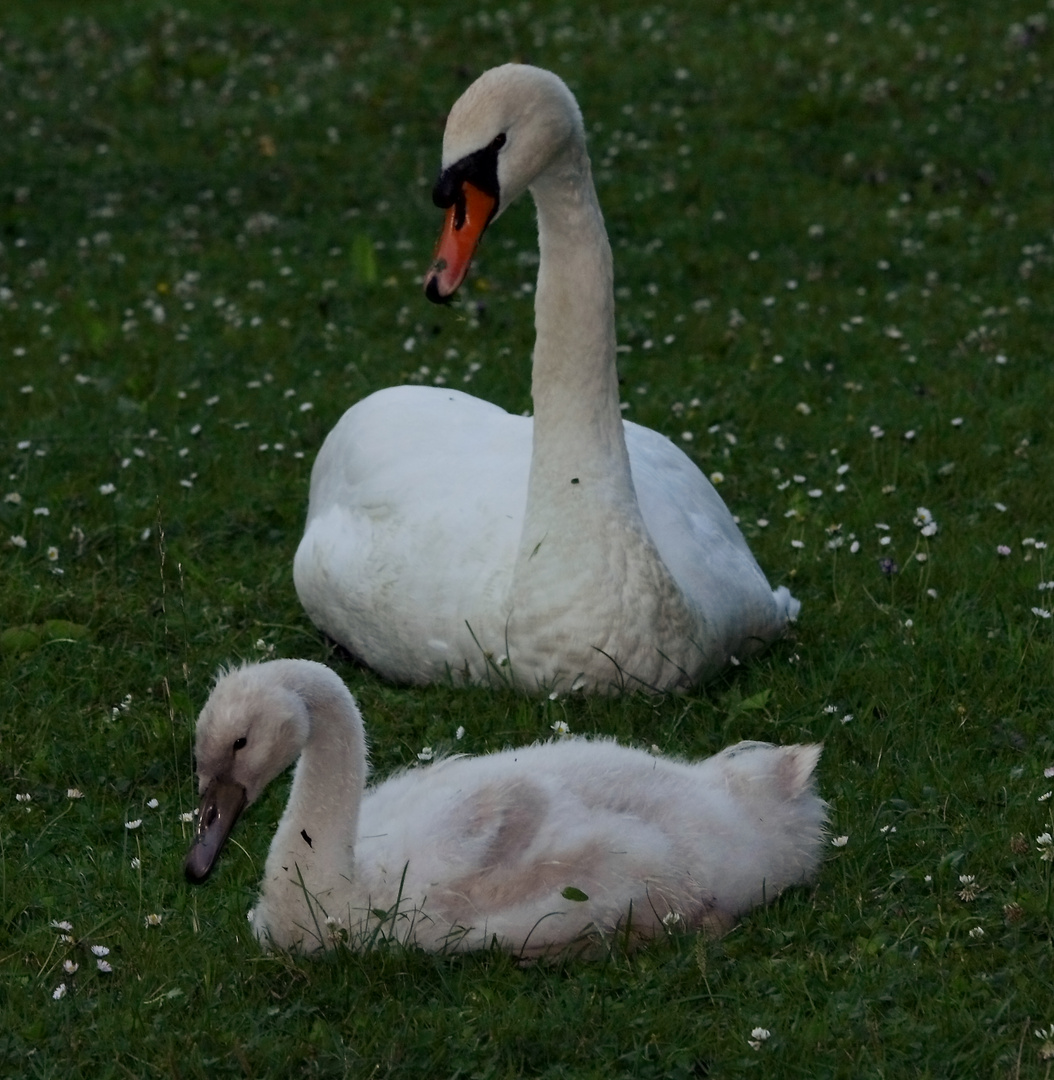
[71,967]
[924,520]
[758,1036]
[970,889]
[1046,1051]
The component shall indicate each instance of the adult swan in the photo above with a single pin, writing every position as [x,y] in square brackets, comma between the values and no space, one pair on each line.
[446,539]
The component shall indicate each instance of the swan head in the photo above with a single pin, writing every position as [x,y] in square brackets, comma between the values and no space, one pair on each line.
[251,728]
[502,134]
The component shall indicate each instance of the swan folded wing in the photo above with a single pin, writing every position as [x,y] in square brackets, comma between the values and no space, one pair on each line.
[532,866]
[704,549]
[408,550]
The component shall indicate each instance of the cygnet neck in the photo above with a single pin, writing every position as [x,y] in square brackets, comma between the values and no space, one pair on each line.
[331,773]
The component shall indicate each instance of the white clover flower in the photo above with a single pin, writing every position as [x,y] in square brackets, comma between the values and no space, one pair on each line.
[152,920]
[107,489]
[977,932]
[17,541]
[74,793]
[757,1037]
[426,754]
[1046,1051]
[460,733]
[1045,846]
[839,841]
[970,889]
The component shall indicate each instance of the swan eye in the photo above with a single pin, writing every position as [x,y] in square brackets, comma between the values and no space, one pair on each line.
[239,744]
[499,141]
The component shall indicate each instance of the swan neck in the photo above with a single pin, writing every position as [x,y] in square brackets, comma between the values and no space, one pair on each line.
[331,774]
[575,381]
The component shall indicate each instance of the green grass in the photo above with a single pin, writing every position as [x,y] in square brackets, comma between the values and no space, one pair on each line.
[214,215]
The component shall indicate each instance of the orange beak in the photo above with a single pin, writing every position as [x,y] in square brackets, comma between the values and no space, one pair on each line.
[465,223]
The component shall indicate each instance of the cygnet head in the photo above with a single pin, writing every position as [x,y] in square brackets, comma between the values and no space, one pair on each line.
[505,130]
[251,728]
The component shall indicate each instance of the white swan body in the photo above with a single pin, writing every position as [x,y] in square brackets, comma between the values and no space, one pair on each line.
[539,850]
[445,537]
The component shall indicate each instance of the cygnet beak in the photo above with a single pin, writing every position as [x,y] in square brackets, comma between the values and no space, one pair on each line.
[220,806]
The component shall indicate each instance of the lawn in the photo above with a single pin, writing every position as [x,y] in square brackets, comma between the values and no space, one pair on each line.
[835,275]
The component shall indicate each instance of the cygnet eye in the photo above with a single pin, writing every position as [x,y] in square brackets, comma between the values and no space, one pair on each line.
[240,743]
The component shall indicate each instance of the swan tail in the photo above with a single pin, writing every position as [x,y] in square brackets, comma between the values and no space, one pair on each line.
[787,606]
